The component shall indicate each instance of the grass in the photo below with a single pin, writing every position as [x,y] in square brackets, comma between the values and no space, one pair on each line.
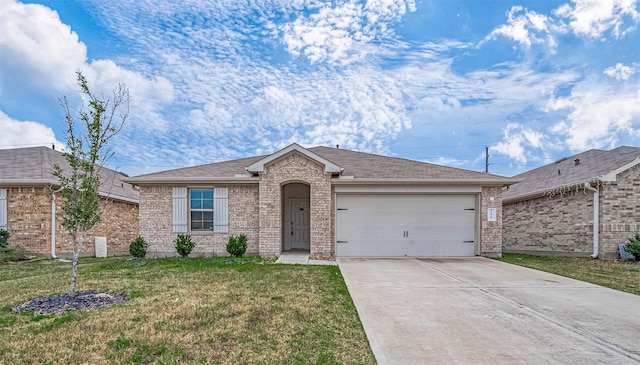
[195,311]
[618,275]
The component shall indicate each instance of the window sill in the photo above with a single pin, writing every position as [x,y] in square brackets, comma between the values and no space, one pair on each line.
[201,233]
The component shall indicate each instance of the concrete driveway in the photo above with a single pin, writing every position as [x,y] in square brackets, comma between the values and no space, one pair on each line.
[481,311]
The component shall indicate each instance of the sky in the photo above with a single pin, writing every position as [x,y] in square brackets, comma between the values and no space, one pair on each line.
[434,80]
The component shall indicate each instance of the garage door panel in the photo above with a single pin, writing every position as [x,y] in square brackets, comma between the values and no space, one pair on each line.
[409,225]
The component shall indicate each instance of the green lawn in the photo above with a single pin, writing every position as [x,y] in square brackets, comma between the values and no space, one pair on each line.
[619,275]
[195,311]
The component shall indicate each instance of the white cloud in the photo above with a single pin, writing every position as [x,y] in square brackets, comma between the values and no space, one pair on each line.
[620,72]
[517,139]
[592,18]
[598,117]
[40,56]
[528,27]
[36,44]
[16,134]
[339,34]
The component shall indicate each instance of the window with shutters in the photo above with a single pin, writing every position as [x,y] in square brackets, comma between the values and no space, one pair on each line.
[201,209]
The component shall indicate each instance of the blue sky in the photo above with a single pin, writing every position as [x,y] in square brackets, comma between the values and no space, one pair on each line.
[434,81]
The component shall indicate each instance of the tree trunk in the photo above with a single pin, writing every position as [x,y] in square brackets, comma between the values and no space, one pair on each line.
[74,270]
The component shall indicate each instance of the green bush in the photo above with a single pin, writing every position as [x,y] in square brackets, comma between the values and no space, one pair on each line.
[138,247]
[237,246]
[184,244]
[4,238]
[633,247]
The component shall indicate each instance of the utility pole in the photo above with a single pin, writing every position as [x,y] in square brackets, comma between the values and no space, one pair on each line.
[486,161]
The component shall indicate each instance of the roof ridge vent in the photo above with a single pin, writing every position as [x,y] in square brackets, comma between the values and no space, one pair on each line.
[576,162]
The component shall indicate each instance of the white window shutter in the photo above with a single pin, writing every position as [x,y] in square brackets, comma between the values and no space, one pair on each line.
[180,209]
[3,208]
[221,210]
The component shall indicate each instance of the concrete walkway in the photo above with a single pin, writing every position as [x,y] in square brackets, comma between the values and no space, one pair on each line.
[300,258]
[481,311]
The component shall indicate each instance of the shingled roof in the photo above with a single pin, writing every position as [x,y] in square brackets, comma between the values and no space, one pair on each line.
[356,167]
[33,166]
[592,165]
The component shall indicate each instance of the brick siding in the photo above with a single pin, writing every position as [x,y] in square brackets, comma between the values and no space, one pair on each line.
[563,225]
[491,232]
[29,223]
[295,168]
[156,222]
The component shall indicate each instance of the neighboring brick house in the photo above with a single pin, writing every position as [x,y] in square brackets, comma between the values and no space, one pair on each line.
[325,201]
[551,211]
[27,199]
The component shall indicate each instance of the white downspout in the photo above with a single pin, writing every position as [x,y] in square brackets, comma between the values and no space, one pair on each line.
[53,224]
[596,217]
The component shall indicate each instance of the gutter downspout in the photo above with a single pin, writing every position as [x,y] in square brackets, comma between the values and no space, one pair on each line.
[596,218]
[53,224]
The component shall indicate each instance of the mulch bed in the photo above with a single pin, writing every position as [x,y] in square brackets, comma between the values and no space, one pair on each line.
[58,303]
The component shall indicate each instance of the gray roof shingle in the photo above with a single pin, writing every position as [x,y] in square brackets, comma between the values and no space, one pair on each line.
[360,165]
[593,165]
[33,166]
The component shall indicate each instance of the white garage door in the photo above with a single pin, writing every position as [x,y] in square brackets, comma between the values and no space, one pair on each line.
[405,225]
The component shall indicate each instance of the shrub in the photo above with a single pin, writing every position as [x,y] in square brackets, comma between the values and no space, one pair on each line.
[237,246]
[138,248]
[633,247]
[4,238]
[184,244]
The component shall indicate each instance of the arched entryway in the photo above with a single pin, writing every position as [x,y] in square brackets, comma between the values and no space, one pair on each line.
[296,217]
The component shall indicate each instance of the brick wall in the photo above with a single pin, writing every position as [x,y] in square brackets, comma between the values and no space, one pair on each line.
[29,223]
[563,225]
[295,168]
[619,211]
[29,219]
[156,221]
[491,232]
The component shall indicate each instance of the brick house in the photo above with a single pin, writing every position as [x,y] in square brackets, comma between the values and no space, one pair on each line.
[325,201]
[553,209]
[27,200]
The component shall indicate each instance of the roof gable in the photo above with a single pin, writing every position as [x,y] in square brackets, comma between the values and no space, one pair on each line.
[591,165]
[329,167]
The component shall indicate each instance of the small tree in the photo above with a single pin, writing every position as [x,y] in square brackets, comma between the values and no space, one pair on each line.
[633,247]
[138,248]
[86,154]
[184,244]
[237,246]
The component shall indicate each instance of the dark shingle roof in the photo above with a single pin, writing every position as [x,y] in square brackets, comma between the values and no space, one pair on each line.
[360,165]
[593,165]
[33,166]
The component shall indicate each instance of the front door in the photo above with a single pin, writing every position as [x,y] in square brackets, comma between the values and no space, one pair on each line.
[300,232]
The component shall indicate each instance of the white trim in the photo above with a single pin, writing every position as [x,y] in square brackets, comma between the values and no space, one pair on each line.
[3,209]
[329,167]
[401,189]
[612,175]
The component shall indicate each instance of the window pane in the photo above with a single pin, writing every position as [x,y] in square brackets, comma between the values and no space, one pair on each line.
[201,205]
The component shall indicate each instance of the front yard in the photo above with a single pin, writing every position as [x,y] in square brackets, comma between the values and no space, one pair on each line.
[195,311]
[619,275]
